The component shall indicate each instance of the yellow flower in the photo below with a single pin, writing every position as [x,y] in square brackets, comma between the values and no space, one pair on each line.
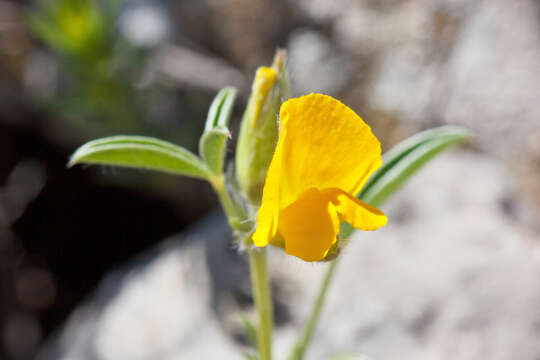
[324,156]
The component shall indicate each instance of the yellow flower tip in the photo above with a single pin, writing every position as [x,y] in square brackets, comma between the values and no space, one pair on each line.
[324,156]
[263,83]
[264,80]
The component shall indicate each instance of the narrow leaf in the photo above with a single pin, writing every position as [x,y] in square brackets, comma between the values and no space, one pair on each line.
[221,108]
[212,148]
[249,356]
[142,153]
[406,158]
[249,329]
[402,161]
[213,141]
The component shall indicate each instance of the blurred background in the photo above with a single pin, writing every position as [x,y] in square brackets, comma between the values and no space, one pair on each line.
[85,272]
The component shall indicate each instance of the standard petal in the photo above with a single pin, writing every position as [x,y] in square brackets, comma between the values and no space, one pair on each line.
[356,212]
[309,226]
[267,218]
[327,146]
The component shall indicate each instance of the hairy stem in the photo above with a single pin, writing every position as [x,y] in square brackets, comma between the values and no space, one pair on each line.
[238,219]
[263,301]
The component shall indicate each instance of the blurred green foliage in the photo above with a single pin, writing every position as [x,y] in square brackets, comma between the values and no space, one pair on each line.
[104,87]
[76,28]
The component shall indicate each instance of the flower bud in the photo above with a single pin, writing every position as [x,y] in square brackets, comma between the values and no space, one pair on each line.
[259,129]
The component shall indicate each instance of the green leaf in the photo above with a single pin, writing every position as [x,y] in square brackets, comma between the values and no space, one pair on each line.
[249,356]
[142,153]
[259,128]
[45,30]
[212,148]
[406,158]
[249,329]
[214,139]
[403,160]
[221,108]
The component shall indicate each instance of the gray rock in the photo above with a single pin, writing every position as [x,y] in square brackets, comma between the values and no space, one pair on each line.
[158,306]
[426,63]
[450,277]
[315,65]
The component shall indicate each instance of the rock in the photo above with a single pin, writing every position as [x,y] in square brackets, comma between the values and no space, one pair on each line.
[452,276]
[156,307]
[315,65]
[427,63]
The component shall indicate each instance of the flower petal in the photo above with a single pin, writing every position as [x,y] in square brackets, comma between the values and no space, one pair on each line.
[327,146]
[322,144]
[356,212]
[267,218]
[309,226]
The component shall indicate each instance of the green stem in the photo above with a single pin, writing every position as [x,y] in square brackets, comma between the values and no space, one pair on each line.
[263,301]
[238,219]
[300,346]
[236,214]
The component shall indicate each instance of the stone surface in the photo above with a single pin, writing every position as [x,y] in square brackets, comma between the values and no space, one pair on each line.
[426,63]
[451,277]
[156,307]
